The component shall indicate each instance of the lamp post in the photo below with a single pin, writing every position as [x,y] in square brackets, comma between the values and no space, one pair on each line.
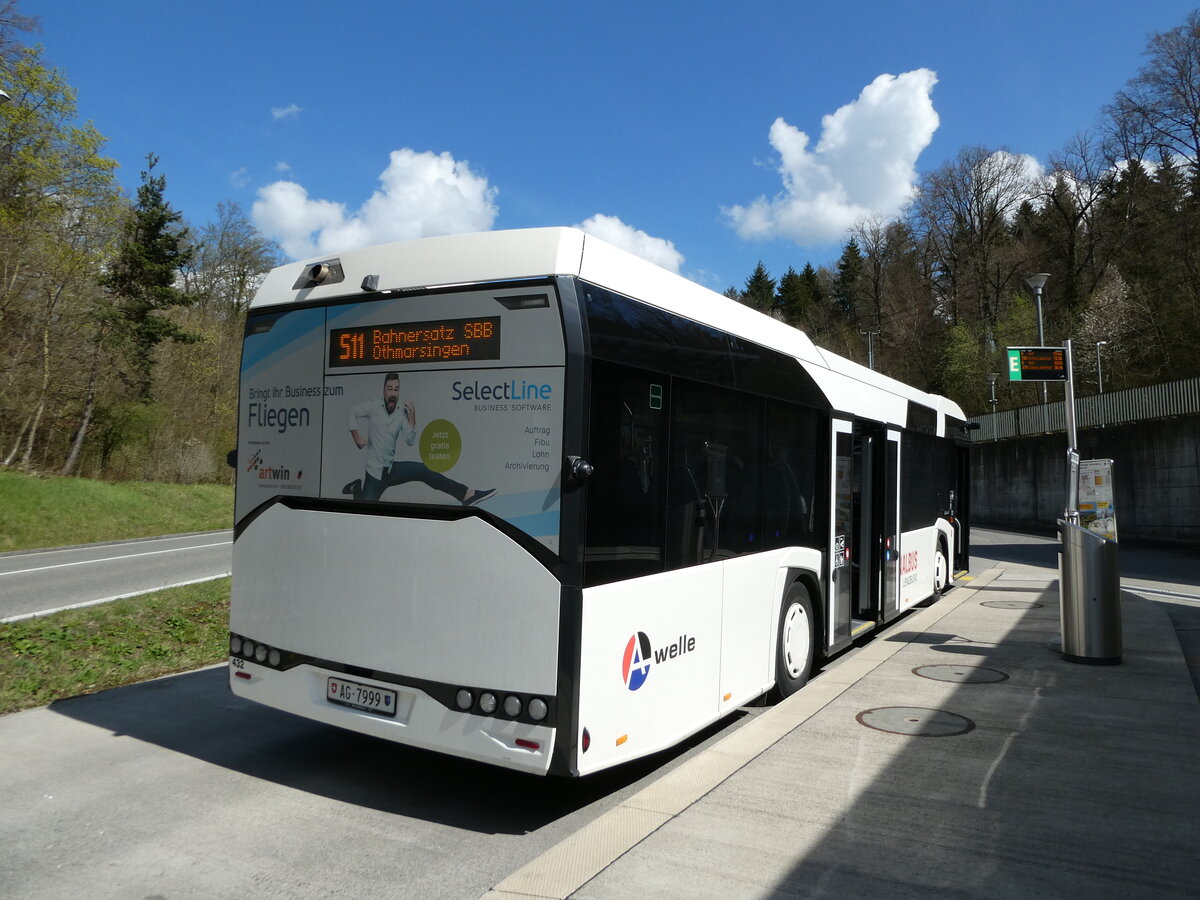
[1037,282]
[871,335]
[1099,368]
[991,377]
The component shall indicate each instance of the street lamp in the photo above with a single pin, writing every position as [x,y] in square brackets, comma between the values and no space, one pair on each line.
[1099,369]
[1037,282]
[991,377]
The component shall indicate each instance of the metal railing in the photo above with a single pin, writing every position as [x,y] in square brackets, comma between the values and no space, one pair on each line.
[1156,401]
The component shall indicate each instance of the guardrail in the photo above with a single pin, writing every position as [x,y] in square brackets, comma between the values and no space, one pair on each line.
[1156,401]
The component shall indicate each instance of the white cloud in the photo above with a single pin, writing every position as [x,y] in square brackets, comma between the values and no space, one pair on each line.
[285,112]
[281,166]
[863,165]
[421,195]
[239,178]
[657,250]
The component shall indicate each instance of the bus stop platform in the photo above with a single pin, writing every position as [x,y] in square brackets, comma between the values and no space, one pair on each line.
[955,755]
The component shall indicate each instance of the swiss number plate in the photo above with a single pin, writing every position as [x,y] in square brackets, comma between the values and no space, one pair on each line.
[360,696]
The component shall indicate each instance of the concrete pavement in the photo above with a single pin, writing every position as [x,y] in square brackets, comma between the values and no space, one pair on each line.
[954,756]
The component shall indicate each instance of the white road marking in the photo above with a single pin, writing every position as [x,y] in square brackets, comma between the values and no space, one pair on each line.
[46,612]
[87,562]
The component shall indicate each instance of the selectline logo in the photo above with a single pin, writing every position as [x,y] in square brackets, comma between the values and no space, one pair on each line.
[635,665]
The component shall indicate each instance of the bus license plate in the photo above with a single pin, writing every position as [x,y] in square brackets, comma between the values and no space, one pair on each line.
[361,696]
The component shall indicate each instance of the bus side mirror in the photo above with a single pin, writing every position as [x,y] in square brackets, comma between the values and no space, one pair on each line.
[231,458]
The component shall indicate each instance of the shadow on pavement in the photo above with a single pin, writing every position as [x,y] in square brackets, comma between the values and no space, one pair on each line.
[1049,795]
[195,714]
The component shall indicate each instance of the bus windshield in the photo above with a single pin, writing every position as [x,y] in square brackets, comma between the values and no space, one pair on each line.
[445,399]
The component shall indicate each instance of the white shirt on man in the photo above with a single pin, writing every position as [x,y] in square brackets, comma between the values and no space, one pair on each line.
[382,431]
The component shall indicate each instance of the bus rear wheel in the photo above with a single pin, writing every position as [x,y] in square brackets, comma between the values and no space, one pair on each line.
[796,642]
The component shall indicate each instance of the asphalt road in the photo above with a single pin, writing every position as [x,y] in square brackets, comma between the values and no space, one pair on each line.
[175,788]
[39,581]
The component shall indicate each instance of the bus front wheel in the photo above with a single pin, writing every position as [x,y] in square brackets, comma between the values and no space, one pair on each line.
[797,640]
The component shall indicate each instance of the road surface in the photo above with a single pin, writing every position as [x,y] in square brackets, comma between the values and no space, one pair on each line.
[34,582]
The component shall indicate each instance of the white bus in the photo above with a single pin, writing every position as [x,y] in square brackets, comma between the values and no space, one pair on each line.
[525,498]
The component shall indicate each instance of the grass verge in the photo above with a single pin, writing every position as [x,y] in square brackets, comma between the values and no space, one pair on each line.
[82,651]
[56,512]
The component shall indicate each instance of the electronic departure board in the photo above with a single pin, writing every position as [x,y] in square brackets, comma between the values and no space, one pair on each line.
[1037,364]
[443,340]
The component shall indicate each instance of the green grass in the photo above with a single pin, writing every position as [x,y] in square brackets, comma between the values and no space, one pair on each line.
[81,651]
[56,512]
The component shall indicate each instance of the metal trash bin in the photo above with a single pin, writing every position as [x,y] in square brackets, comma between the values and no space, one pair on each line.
[1090,591]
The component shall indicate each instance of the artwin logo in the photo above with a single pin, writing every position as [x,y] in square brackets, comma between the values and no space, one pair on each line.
[635,665]
[269,473]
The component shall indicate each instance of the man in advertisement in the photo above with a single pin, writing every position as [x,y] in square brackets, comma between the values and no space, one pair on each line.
[376,426]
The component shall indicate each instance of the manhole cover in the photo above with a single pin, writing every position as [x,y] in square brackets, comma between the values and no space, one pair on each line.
[915,721]
[960,674]
[1011,604]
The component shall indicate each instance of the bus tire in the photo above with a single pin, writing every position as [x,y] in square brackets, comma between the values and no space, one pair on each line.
[941,570]
[796,642]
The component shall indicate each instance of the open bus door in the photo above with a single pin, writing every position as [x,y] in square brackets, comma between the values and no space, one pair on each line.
[864,478]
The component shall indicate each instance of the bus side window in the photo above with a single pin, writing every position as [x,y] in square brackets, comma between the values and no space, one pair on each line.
[624,528]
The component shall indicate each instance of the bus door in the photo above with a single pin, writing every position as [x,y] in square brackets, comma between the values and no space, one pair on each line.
[891,526]
[841,533]
[962,507]
[860,483]
[870,473]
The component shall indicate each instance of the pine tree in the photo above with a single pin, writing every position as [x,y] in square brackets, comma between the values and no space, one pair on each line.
[760,289]
[813,282]
[847,284]
[793,297]
[141,282]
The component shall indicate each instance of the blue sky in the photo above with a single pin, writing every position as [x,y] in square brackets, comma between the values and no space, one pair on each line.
[695,133]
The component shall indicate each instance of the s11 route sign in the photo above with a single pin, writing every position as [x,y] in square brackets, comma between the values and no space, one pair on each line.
[1037,364]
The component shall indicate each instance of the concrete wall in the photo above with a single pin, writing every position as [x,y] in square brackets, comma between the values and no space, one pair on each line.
[1022,482]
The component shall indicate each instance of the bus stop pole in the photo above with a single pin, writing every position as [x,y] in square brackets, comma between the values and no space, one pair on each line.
[1089,572]
[1072,510]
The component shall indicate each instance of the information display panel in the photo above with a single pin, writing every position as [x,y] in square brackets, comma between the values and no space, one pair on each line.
[1037,364]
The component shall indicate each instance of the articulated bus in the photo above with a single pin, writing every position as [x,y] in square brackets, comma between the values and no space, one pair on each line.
[525,498]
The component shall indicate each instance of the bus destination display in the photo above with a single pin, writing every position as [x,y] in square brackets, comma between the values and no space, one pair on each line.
[444,340]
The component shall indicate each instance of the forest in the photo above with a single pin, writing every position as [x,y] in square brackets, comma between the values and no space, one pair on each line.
[121,322]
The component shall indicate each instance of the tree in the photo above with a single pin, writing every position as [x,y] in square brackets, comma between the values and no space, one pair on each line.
[12,22]
[1160,107]
[760,289]
[848,283]
[57,202]
[143,277]
[963,216]
[792,298]
[228,262]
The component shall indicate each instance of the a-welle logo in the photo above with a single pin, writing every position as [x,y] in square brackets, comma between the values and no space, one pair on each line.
[639,655]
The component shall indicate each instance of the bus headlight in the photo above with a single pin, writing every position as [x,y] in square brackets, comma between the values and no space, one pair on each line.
[260,653]
[464,699]
[487,702]
[537,709]
[512,706]
[235,645]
